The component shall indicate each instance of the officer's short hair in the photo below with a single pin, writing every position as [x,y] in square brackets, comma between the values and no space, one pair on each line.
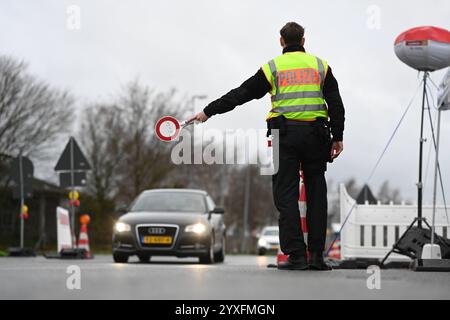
[292,33]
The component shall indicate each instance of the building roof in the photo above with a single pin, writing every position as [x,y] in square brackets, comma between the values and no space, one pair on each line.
[39,185]
[366,195]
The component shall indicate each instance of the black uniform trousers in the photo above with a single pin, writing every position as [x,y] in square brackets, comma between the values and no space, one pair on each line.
[301,145]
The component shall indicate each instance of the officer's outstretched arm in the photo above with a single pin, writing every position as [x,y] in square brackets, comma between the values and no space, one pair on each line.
[255,87]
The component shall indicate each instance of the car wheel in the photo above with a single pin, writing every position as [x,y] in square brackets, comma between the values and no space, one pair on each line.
[120,258]
[220,256]
[261,251]
[144,257]
[208,258]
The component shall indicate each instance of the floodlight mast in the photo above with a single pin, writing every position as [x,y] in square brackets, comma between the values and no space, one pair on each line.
[421,142]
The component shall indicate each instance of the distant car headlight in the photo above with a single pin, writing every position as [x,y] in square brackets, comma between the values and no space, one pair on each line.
[122,227]
[262,242]
[197,228]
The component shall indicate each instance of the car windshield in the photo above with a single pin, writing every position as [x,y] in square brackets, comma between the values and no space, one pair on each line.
[272,232]
[170,201]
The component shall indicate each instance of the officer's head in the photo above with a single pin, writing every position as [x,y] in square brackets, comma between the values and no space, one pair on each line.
[292,34]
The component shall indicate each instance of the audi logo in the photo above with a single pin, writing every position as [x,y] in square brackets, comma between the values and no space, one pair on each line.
[156,230]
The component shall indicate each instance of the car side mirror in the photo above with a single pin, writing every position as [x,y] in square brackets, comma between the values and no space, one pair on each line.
[218,210]
[122,209]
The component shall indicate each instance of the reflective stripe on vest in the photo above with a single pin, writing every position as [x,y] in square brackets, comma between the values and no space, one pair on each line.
[273,69]
[321,72]
[297,95]
[300,108]
[297,87]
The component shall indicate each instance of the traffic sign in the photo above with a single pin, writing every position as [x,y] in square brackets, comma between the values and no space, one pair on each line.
[72,152]
[168,128]
[72,165]
[79,179]
[22,176]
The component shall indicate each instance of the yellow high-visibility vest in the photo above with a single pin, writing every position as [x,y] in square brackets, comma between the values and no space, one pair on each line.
[297,81]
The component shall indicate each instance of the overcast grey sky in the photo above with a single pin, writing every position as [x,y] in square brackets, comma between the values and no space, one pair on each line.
[210,47]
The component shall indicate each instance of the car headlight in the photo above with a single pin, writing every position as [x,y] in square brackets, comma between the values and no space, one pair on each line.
[262,242]
[122,227]
[197,228]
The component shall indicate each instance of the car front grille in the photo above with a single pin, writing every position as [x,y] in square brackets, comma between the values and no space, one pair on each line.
[157,231]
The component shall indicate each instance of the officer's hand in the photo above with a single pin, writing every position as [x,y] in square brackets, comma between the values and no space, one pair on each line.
[201,116]
[336,149]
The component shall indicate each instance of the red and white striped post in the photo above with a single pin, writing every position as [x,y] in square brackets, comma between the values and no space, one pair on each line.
[302,209]
[74,240]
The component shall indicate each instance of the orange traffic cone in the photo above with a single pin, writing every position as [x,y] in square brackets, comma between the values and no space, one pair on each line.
[83,241]
[281,257]
[335,252]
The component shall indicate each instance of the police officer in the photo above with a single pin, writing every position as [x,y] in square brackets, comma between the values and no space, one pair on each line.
[308,112]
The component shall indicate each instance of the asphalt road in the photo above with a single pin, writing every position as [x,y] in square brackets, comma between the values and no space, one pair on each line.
[240,277]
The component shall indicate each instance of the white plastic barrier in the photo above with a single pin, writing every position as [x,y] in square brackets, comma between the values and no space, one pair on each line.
[371,230]
[63,229]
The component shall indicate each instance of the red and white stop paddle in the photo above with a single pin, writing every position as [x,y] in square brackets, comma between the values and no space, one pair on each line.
[168,128]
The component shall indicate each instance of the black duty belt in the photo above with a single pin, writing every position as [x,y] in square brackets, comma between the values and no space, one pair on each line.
[281,123]
[300,123]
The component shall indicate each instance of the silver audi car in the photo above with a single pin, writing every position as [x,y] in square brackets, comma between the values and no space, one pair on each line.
[171,222]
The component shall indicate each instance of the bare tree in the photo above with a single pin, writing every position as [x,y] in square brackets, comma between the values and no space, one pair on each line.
[386,194]
[352,187]
[261,209]
[147,162]
[102,135]
[121,145]
[32,113]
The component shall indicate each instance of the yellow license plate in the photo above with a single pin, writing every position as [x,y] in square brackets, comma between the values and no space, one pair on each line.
[156,240]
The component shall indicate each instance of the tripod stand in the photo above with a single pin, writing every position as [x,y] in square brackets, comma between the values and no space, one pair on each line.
[412,240]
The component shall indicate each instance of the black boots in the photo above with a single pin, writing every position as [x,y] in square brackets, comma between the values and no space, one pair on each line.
[294,262]
[317,263]
[299,262]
